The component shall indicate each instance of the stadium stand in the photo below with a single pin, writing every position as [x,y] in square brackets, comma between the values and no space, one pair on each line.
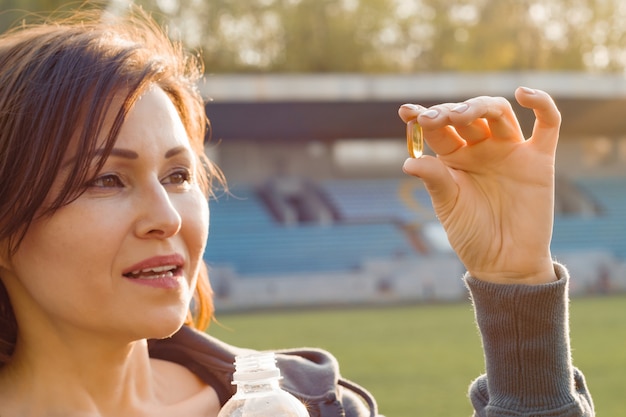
[378,239]
[374,239]
[606,230]
[247,239]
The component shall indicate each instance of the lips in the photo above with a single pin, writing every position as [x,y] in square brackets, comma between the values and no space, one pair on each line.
[165,271]
[155,268]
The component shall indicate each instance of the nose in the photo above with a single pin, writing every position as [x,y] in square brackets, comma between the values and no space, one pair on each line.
[158,217]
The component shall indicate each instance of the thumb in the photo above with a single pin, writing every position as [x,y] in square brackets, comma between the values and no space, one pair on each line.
[436,177]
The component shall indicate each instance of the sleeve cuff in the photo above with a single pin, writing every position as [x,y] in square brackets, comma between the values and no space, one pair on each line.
[525,335]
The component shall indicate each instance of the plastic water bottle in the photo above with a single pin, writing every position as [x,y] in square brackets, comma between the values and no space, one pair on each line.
[258,391]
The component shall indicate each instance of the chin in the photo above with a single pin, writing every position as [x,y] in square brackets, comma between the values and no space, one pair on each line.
[164,325]
[168,333]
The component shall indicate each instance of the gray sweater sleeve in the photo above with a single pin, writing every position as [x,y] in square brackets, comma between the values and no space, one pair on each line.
[525,335]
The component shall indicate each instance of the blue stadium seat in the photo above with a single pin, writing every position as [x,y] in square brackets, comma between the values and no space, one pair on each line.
[607,231]
[244,236]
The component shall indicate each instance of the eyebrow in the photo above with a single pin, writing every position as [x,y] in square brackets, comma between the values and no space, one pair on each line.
[128,154]
[175,151]
[121,153]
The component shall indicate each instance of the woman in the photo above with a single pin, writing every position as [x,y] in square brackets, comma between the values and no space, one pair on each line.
[104,218]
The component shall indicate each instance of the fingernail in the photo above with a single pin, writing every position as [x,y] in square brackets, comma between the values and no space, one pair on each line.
[411,106]
[431,114]
[528,90]
[460,108]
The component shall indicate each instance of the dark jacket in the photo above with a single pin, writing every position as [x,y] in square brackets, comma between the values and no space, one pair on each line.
[525,336]
[312,375]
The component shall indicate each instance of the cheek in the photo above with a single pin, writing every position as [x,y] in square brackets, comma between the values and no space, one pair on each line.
[61,261]
[195,223]
[70,240]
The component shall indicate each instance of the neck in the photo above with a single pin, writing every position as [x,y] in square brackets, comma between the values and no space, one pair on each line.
[81,377]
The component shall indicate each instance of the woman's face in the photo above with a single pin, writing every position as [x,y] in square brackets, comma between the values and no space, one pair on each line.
[123,258]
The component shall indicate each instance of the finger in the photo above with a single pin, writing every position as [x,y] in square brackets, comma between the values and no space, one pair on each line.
[547,117]
[409,111]
[497,112]
[441,137]
[475,132]
[472,131]
[468,131]
[444,131]
[436,177]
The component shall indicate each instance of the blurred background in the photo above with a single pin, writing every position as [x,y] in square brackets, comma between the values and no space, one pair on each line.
[303,96]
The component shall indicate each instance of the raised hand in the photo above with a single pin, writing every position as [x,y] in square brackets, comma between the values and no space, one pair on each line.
[492,189]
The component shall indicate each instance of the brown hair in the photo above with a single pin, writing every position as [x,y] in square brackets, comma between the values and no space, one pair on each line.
[57,81]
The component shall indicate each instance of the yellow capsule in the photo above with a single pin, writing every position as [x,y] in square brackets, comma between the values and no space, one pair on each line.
[414,139]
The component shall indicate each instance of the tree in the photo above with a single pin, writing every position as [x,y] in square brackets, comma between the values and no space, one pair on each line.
[399,36]
[15,12]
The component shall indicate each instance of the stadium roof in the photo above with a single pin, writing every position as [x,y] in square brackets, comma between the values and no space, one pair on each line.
[336,106]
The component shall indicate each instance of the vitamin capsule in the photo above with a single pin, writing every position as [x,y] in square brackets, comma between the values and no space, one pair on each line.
[414,139]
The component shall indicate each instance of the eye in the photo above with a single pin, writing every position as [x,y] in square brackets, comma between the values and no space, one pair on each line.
[180,177]
[106,181]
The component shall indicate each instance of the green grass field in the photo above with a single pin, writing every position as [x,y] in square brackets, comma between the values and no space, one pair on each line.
[419,360]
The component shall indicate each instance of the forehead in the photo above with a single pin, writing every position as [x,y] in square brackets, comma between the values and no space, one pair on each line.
[152,123]
[153,120]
